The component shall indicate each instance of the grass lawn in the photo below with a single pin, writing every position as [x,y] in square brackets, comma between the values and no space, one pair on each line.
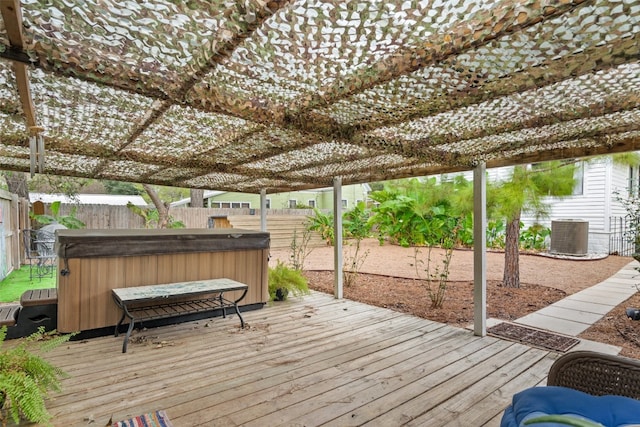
[12,287]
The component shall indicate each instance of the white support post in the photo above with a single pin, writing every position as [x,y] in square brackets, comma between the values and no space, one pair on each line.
[480,250]
[263,210]
[337,248]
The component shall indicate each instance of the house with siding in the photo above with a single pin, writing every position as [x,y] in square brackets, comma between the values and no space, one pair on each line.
[594,201]
[319,198]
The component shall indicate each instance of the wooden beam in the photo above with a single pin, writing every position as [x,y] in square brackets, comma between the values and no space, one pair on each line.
[12,17]
[16,55]
[24,91]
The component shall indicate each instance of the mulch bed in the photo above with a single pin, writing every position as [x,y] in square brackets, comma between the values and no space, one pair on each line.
[411,296]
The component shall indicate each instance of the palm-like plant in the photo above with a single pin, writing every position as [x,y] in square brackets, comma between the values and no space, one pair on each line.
[284,281]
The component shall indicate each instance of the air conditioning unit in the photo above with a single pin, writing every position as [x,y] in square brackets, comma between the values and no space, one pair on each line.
[569,237]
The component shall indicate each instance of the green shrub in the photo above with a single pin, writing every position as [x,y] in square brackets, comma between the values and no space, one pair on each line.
[284,281]
[26,378]
[69,221]
[323,224]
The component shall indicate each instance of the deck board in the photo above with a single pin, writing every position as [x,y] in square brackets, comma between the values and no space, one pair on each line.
[315,361]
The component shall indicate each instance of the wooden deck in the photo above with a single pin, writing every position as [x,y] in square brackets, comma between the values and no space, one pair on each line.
[316,361]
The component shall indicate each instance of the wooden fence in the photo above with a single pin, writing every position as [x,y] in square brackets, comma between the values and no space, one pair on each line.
[106,216]
[14,216]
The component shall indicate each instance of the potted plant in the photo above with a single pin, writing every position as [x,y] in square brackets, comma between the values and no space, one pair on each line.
[284,281]
[26,378]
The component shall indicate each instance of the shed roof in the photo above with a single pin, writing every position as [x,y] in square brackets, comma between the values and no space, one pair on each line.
[286,95]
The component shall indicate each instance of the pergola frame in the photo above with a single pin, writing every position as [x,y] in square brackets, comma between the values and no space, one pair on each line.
[265,96]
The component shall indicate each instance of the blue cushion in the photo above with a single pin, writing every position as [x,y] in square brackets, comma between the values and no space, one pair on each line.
[610,411]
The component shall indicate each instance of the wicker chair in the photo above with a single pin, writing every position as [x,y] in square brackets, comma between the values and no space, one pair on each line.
[597,374]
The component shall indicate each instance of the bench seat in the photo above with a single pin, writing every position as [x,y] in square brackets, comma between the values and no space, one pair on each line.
[9,314]
[142,303]
[39,297]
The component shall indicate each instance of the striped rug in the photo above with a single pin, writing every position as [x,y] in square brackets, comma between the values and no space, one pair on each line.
[152,419]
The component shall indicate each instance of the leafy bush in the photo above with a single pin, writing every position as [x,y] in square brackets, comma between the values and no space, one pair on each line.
[534,237]
[465,234]
[323,224]
[496,234]
[284,281]
[26,378]
[69,221]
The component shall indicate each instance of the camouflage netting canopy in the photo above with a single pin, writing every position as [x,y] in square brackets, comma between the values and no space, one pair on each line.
[284,95]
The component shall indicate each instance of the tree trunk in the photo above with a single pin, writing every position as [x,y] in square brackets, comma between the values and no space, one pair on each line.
[511,278]
[17,183]
[163,208]
[197,198]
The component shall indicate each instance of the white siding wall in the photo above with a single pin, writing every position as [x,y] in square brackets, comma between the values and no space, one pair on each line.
[619,184]
[597,204]
[590,206]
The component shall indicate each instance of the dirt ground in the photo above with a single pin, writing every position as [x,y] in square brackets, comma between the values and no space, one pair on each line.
[544,280]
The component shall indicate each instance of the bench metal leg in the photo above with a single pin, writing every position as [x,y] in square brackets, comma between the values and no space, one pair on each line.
[126,338]
[235,305]
[223,305]
[125,313]
[117,332]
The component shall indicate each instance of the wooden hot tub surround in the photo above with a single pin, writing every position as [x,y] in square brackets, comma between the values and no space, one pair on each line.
[93,262]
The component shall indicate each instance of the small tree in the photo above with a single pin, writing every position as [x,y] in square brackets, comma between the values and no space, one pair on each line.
[158,217]
[119,187]
[525,191]
[300,248]
[152,219]
[357,227]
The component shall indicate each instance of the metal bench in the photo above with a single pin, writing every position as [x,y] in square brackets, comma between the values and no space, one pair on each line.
[143,303]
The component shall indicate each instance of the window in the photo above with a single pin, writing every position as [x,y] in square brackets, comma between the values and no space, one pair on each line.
[235,205]
[578,176]
[634,181]
[245,205]
[345,204]
[312,203]
[215,205]
[268,204]
[293,203]
[225,205]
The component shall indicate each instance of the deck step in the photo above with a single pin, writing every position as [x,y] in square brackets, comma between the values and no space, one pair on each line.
[9,314]
[39,297]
